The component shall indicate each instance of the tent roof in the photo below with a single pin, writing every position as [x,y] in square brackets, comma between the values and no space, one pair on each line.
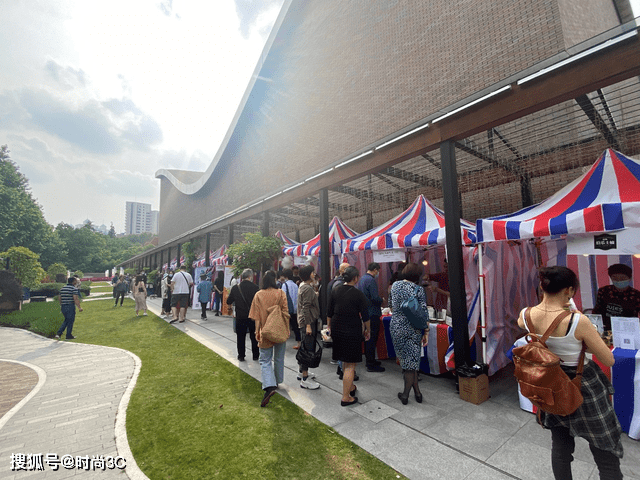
[422,224]
[605,198]
[338,231]
[218,253]
[284,238]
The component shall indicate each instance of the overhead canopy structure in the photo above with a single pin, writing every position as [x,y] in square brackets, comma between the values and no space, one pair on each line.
[219,257]
[338,231]
[606,198]
[422,224]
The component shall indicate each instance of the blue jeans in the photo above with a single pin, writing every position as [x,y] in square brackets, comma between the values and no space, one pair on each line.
[217,298]
[272,365]
[69,312]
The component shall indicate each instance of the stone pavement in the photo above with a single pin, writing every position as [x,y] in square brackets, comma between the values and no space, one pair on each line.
[63,398]
[78,403]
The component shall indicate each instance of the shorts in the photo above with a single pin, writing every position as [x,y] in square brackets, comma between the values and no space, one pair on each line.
[180,299]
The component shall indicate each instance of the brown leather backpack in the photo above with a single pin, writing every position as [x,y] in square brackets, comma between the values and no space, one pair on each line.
[540,376]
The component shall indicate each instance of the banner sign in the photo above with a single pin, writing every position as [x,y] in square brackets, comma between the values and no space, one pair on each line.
[391,255]
[621,242]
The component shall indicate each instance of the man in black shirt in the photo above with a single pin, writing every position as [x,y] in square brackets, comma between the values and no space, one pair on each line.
[242,295]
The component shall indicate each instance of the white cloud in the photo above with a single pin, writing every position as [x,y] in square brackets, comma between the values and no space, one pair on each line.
[96,97]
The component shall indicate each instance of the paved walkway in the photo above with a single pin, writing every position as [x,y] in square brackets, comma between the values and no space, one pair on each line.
[74,410]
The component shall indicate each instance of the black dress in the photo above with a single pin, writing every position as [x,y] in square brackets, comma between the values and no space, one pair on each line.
[348,309]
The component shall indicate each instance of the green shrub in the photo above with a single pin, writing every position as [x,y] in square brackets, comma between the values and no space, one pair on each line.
[43,318]
[24,263]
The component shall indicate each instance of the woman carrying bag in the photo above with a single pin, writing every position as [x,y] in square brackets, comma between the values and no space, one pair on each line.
[407,339]
[308,313]
[348,321]
[270,300]
[140,295]
[594,420]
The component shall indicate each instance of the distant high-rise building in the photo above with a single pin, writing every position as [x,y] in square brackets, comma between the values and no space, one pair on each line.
[139,218]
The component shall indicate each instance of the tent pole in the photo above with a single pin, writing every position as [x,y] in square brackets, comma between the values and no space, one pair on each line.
[483,320]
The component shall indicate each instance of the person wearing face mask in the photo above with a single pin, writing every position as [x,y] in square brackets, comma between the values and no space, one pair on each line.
[369,287]
[618,299]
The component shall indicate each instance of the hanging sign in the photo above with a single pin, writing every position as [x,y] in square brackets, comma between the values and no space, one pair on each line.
[389,256]
[621,242]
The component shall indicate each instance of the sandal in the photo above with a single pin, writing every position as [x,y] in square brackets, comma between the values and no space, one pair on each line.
[346,404]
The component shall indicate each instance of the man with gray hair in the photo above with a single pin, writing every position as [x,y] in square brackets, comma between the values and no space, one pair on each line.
[242,295]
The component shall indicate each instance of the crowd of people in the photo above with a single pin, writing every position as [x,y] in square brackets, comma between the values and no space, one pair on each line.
[353,322]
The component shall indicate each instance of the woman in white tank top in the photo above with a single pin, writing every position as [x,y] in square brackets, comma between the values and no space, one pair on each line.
[595,420]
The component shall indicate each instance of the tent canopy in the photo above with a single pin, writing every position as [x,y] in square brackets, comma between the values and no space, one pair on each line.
[604,199]
[422,224]
[338,231]
[219,257]
[286,240]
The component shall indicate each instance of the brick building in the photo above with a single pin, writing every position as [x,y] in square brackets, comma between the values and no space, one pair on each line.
[338,78]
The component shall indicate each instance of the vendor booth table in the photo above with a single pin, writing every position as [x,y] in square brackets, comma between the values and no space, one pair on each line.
[625,377]
[433,361]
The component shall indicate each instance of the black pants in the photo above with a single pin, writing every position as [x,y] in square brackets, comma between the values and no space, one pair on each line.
[204,310]
[562,447]
[119,295]
[370,345]
[293,323]
[242,327]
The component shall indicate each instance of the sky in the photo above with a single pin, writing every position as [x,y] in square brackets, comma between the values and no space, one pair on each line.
[95,97]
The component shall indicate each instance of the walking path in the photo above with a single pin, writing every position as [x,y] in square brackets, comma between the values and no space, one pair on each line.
[77,396]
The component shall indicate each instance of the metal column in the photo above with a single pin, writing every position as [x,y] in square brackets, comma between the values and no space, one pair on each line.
[325,252]
[207,253]
[178,257]
[454,253]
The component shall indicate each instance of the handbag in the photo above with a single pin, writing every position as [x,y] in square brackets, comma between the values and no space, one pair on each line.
[413,311]
[307,357]
[276,327]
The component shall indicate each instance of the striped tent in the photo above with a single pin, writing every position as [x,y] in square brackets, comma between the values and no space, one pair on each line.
[200,260]
[338,231]
[219,257]
[604,199]
[422,224]
[286,240]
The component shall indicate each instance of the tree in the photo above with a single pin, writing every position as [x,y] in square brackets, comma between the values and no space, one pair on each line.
[189,255]
[21,217]
[56,269]
[25,265]
[112,231]
[254,251]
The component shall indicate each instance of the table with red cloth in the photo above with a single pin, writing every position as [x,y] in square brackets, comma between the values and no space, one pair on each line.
[433,361]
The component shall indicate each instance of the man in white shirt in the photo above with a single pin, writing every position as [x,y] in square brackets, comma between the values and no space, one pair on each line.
[180,287]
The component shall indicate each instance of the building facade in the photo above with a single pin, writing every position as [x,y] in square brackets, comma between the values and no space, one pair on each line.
[139,218]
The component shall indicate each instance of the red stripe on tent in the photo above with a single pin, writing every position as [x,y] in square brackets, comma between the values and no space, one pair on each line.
[541,223]
[593,219]
[602,264]
[499,230]
[628,184]
[443,346]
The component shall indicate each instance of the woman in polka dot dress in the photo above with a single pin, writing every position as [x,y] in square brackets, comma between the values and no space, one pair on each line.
[408,340]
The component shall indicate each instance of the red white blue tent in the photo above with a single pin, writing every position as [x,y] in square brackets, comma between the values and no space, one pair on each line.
[286,240]
[199,261]
[338,231]
[604,199]
[422,224]
[219,257]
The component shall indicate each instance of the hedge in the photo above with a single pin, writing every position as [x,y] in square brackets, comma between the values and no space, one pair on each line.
[50,290]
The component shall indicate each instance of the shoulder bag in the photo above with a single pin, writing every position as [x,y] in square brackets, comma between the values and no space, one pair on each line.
[276,327]
[411,308]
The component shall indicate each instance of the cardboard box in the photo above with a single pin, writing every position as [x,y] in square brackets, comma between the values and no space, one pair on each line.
[474,389]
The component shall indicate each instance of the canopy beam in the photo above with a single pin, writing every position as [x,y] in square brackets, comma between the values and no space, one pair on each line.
[593,115]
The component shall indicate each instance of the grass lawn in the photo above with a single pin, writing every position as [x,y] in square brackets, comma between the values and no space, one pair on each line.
[98,289]
[194,415]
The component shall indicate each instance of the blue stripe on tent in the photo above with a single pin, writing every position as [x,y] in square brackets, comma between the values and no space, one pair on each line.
[510,215]
[590,190]
[621,372]
[612,213]
[558,225]
[513,230]
[433,236]
[631,165]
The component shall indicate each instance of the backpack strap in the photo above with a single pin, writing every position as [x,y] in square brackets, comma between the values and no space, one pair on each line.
[553,325]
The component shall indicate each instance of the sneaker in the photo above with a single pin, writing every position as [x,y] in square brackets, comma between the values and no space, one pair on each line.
[57,337]
[333,362]
[311,376]
[240,358]
[268,393]
[144,314]
[71,338]
[174,320]
[309,384]
[375,368]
